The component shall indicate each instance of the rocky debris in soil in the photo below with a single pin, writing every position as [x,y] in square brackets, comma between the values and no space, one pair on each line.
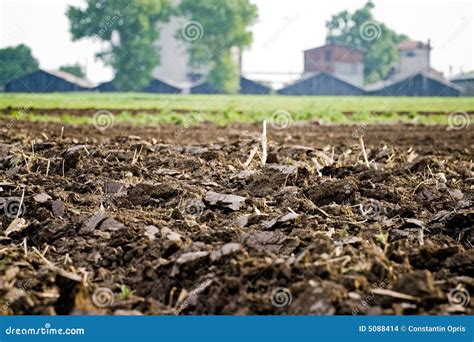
[229,201]
[42,198]
[57,207]
[17,225]
[92,222]
[227,249]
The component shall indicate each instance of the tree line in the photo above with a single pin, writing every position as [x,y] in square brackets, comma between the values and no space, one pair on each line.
[129,30]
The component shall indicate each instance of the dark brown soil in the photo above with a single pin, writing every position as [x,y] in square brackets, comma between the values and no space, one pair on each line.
[171,221]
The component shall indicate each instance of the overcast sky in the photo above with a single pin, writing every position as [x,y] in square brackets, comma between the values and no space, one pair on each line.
[285,28]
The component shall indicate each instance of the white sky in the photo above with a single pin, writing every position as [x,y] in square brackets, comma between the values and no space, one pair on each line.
[285,28]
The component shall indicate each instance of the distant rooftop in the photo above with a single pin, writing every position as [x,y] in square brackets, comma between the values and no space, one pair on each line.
[337,44]
[70,78]
[326,74]
[412,44]
[400,77]
[463,77]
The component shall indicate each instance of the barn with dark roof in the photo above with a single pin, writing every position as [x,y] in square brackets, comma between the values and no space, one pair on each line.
[247,87]
[466,81]
[422,83]
[203,87]
[42,81]
[106,87]
[323,84]
[161,86]
[155,86]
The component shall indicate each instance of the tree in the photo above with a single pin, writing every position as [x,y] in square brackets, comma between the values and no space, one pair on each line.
[15,62]
[361,30]
[214,31]
[75,69]
[129,29]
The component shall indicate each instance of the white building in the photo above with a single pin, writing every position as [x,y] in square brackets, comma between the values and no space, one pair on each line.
[341,60]
[413,56]
[174,57]
[175,63]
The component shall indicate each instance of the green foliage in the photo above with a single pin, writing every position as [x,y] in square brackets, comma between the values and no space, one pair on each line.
[223,28]
[15,62]
[129,29]
[125,292]
[76,70]
[224,74]
[361,30]
[382,238]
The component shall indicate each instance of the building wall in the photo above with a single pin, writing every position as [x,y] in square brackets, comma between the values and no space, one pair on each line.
[251,87]
[418,85]
[106,87]
[411,61]
[468,86]
[344,62]
[174,58]
[41,82]
[246,87]
[204,88]
[321,84]
[157,86]
[352,72]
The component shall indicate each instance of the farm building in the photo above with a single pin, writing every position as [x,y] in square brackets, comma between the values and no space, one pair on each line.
[163,87]
[106,87]
[421,83]
[466,81]
[174,56]
[413,56]
[156,86]
[251,87]
[42,81]
[246,87]
[322,83]
[203,87]
[175,62]
[344,62]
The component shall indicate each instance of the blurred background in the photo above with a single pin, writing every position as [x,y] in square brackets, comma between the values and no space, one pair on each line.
[271,43]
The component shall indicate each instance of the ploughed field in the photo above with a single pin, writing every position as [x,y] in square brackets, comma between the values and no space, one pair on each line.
[183,220]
